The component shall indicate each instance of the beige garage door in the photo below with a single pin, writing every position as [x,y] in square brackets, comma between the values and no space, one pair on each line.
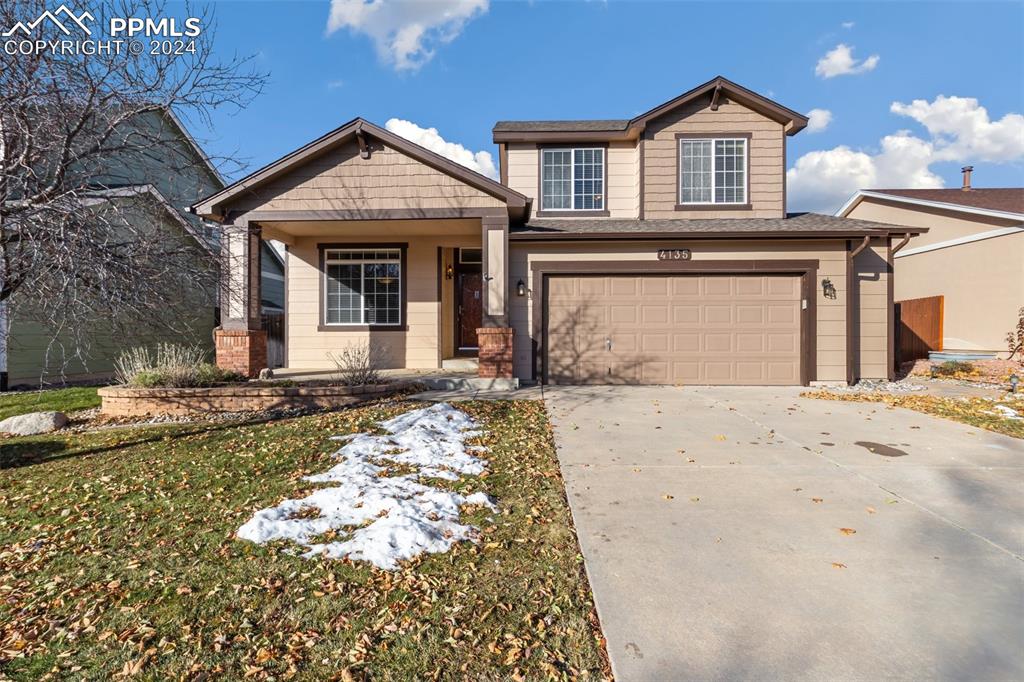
[674,329]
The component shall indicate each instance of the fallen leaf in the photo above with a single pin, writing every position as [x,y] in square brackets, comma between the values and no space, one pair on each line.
[836,564]
[847,531]
[817,500]
[870,510]
[720,437]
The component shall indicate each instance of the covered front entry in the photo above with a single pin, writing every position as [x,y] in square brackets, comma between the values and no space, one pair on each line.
[376,229]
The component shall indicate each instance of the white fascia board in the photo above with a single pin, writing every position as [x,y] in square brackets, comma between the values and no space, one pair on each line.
[1002,231]
[864,194]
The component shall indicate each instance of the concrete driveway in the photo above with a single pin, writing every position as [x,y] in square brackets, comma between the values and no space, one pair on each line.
[711,523]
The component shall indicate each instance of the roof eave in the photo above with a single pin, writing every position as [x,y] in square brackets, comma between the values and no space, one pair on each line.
[211,206]
[862,194]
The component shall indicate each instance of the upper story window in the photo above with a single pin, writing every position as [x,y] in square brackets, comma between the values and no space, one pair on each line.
[362,287]
[712,170]
[572,179]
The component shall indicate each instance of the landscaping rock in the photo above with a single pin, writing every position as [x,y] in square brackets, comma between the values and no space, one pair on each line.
[33,423]
[266,374]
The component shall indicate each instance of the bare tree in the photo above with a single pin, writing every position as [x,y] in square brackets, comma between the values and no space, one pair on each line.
[86,139]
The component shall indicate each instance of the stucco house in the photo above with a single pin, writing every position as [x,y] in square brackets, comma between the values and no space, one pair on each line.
[972,256]
[656,249]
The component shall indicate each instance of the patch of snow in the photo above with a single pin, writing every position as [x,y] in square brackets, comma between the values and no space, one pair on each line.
[396,517]
[879,385]
[1007,412]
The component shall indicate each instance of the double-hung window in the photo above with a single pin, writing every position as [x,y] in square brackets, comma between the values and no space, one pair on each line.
[572,179]
[362,286]
[712,170]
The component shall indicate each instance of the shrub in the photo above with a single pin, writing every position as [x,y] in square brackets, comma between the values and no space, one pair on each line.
[1015,339]
[170,366]
[359,364]
[952,368]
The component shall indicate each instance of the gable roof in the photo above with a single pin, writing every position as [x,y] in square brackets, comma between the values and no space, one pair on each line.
[147,190]
[610,129]
[213,206]
[1001,202]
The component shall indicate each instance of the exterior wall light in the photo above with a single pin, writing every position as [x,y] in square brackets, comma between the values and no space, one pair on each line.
[449,271]
[520,288]
[828,290]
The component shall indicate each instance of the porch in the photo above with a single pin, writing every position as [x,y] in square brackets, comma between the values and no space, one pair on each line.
[389,246]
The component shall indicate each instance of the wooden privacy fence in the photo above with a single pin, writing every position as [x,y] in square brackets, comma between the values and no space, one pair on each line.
[920,327]
[273,325]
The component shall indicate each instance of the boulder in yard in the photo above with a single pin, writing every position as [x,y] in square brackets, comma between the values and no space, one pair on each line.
[33,423]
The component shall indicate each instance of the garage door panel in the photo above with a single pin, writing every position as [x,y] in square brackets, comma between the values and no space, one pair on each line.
[678,329]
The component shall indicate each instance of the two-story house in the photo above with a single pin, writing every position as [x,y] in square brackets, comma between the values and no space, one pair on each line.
[653,250]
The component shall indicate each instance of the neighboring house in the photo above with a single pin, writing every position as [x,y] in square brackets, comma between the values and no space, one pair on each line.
[972,256]
[655,249]
[159,189]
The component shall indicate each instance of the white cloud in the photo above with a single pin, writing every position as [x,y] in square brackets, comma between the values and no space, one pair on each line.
[818,120]
[840,62]
[962,130]
[959,130]
[405,32]
[335,84]
[848,24]
[481,162]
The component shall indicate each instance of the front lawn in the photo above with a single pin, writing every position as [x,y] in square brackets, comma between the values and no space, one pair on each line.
[58,399]
[1002,416]
[117,556]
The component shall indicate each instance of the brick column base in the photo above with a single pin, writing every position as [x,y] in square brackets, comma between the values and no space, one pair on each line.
[495,354]
[241,350]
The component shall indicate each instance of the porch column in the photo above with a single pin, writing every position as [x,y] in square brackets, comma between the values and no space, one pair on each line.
[240,341]
[495,337]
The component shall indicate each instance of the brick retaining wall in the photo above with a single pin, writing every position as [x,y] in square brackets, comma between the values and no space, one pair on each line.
[122,401]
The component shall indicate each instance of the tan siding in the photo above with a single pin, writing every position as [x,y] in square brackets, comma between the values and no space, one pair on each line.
[623,182]
[419,347]
[342,180]
[522,170]
[831,332]
[871,277]
[767,146]
[982,282]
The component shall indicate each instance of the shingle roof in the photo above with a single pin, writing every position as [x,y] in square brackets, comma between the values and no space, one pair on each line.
[794,225]
[1010,199]
[560,126]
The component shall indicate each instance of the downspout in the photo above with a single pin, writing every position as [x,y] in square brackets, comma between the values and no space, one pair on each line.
[903,242]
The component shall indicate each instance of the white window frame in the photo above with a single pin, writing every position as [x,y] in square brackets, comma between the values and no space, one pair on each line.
[713,140]
[572,178]
[328,261]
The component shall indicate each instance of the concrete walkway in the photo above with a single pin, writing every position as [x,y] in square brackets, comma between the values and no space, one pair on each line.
[711,521]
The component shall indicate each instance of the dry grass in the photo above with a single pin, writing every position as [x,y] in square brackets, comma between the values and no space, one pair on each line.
[980,412]
[118,559]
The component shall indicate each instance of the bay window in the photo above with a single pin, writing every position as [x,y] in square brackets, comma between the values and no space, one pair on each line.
[712,170]
[572,179]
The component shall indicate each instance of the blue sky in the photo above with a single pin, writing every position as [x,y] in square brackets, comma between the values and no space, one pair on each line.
[955,72]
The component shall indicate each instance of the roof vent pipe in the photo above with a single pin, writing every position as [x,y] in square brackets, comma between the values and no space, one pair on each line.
[966,170]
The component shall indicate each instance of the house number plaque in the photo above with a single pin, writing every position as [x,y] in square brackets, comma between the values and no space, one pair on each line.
[673,254]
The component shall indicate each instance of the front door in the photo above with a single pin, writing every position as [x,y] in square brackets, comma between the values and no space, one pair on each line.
[469,311]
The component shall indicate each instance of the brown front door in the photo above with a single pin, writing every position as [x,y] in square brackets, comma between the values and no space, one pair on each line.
[470,307]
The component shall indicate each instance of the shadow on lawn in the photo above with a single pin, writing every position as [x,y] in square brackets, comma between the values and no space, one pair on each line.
[26,453]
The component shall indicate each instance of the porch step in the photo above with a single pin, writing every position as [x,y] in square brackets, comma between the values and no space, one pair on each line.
[467,383]
[461,365]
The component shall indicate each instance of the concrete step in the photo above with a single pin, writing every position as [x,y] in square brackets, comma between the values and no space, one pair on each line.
[464,383]
[461,365]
